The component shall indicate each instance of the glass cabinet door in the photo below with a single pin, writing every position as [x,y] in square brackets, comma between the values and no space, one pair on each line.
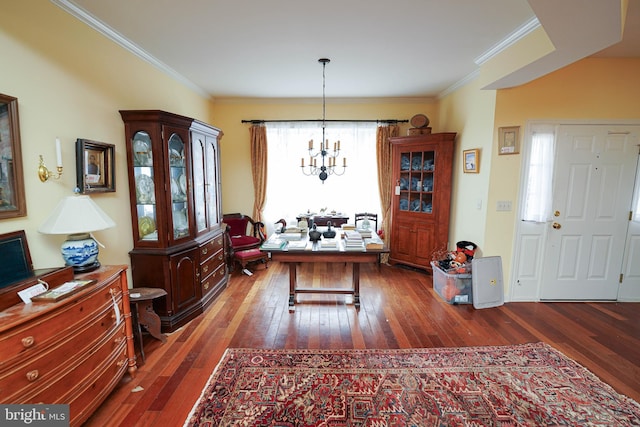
[143,170]
[199,184]
[214,215]
[416,181]
[179,190]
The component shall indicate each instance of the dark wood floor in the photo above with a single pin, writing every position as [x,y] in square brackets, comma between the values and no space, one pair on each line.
[399,310]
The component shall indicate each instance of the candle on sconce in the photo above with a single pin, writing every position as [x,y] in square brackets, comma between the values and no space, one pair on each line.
[344,162]
[310,160]
[335,146]
[338,145]
[311,144]
[302,162]
[314,163]
[58,153]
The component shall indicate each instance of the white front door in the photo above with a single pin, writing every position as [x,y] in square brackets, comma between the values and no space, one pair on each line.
[593,188]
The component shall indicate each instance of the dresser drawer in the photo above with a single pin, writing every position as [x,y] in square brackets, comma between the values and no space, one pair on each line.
[110,350]
[45,367]
[211,247]
[84,403]
[33,337]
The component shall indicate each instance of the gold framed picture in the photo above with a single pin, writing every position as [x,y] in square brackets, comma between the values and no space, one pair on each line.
[471,158]
[509,140]
[95,166]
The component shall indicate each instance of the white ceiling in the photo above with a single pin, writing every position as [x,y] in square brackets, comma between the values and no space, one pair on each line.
[404,48]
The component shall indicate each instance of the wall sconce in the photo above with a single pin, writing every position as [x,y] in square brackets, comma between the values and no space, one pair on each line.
[43,173]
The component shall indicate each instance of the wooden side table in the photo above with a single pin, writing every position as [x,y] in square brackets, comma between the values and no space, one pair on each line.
[141,300]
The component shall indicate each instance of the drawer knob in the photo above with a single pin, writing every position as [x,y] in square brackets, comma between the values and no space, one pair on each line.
[32,375]
[204,251]
[28,341]
[205,268]
[206,286]
[220,257]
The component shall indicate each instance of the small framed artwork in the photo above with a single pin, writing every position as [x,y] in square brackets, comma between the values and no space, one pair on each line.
[471,159]
[12,200]
[509,140]
[95,166]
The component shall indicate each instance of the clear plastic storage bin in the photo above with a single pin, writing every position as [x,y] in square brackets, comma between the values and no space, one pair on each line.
[453,288]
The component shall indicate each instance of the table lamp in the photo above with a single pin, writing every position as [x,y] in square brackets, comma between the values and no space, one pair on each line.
[78,216]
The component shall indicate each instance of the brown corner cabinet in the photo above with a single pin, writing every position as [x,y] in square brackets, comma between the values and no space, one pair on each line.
[422,173]
[174,185]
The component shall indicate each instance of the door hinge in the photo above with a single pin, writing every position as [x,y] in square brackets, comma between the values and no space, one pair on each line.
[621,277]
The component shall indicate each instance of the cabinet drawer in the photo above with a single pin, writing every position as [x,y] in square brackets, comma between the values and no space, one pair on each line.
[80,371]
[47,366]
[213,279]
[212,263]
[211,247]
[35,336]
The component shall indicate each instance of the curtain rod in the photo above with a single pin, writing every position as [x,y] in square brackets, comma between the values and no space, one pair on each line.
[256,122]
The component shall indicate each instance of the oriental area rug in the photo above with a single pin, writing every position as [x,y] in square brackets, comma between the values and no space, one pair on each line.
[523,385]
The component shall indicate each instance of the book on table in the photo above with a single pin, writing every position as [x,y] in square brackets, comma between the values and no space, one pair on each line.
[297,245]
[373,243]
[328,244]
[274,243]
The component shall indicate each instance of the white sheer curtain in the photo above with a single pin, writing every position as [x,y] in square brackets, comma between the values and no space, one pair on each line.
[539,190]
[290,193]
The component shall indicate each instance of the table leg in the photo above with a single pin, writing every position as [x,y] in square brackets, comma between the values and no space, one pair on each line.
[137,331]
[292,286]
[356,285]
[150,320]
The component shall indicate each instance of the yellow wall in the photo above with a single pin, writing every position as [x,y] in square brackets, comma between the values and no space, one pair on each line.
[469,111]
[589,90]
[70,82]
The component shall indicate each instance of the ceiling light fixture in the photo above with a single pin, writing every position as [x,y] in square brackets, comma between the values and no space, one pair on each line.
[328,159]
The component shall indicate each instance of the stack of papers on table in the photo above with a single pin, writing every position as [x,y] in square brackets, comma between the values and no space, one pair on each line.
[291,235]
[353,241]
[364,232]
[297,245]
[274,243]
[328,244]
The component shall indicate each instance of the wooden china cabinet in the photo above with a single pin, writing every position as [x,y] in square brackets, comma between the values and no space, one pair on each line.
[422,173]
[174,185]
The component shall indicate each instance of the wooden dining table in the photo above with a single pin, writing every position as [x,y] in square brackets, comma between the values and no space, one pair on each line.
[314,254]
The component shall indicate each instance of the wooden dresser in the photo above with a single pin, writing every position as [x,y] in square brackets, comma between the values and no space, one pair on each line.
[73,351]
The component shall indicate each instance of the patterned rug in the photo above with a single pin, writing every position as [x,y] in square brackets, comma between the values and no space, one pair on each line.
[524,385]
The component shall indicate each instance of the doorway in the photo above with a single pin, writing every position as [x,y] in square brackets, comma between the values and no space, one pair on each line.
[588,237]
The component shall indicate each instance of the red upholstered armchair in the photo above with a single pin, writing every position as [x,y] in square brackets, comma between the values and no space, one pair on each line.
[243,232]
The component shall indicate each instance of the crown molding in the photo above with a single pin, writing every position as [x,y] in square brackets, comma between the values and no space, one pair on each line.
[118,38]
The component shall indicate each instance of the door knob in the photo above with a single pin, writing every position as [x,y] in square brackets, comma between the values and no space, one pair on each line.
[556,226]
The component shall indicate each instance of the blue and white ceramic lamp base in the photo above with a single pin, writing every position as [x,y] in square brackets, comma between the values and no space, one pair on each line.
[80,251]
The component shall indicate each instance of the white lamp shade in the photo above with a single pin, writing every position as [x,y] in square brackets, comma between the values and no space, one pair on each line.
[76,214]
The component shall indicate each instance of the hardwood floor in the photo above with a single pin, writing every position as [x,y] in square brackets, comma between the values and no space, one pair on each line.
[399,310]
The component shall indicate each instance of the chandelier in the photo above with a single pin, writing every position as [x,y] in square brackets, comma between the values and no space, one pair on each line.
[326,158]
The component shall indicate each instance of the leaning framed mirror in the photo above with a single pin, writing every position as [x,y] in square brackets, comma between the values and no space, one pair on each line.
[12,201]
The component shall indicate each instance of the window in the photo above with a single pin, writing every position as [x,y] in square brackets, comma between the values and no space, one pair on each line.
[539,186]
[290,192]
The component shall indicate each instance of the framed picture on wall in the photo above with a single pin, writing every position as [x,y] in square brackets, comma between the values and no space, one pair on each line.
[509,140]
[12,199]
[95,166]
[471,159]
